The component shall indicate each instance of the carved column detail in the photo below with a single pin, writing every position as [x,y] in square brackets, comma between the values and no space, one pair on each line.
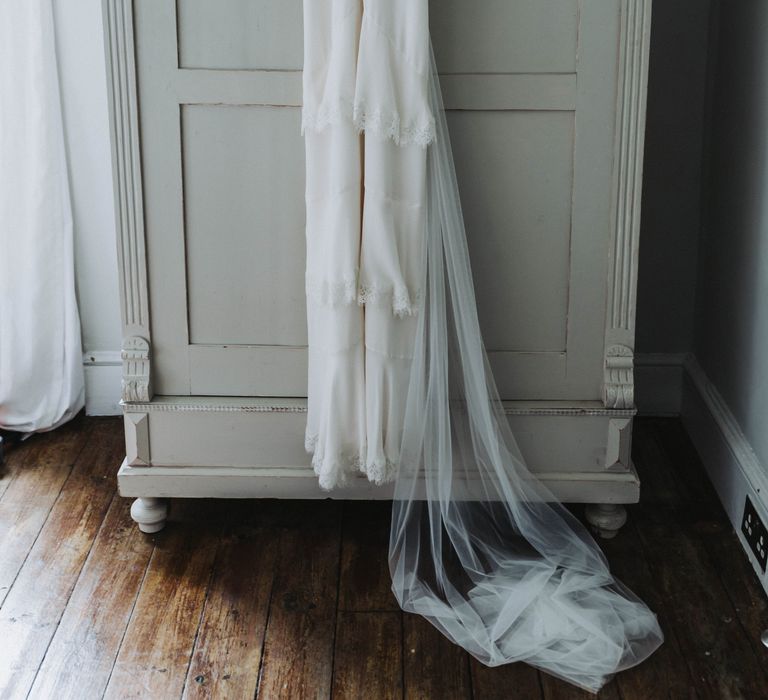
[618,388]
[618,382]
[128,200]
[135,356]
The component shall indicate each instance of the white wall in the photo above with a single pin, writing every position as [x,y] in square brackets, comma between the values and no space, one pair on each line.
[82,72]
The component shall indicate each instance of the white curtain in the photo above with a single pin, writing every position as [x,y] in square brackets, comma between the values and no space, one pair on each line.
[41,370]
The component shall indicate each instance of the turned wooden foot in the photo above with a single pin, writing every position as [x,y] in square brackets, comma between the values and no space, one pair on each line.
[606,519]
[150,514]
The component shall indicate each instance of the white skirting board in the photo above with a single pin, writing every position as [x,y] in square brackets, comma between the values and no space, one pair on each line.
[729,459]
[103,377]
[675,384]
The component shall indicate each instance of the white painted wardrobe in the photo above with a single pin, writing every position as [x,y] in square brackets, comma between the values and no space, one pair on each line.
[547,111]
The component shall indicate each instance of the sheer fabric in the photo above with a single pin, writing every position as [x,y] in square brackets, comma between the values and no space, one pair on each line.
[478,545]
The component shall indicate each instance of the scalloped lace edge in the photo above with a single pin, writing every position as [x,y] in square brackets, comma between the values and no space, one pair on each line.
[403,303]
[333,293]
[385,123]
[334,472]
[389,125]
[348,291]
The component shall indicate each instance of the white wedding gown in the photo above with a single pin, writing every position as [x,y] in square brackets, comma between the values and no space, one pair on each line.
[399,383]
[365,204]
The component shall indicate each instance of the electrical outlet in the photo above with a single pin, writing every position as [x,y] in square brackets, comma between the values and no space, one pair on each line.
[756,534]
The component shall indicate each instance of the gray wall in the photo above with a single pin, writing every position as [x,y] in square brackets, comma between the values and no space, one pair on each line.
[731,310]
[672,176]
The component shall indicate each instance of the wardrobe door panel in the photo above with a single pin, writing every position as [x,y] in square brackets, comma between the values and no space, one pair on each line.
[242,181]
[530,88]
[240,34]
[531,92]
[223,165]
[516,169]
[499,36]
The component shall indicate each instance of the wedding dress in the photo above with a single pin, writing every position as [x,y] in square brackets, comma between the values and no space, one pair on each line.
[364,233]
[399,382]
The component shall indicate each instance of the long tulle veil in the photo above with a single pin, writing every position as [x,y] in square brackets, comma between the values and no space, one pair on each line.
[478,545]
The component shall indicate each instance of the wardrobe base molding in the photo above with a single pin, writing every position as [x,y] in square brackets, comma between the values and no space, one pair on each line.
[248,447]
[581,437]
[301,483]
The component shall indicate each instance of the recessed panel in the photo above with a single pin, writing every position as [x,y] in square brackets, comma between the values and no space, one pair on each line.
[515,172]
[243,171]
[505,36]
[240,34]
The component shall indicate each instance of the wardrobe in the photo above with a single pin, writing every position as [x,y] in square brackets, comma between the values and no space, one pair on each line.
[546,108]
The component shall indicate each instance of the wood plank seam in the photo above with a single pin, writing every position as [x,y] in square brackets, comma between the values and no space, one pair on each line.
[203,607]
[130,617]
[264,633]
[74,586]
[42,525]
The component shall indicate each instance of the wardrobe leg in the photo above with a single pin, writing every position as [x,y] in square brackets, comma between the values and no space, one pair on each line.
[606,519]
[150,514]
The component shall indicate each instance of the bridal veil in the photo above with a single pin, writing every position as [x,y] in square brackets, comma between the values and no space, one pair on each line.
[400,386]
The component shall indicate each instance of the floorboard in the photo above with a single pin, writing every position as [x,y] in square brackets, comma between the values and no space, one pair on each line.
[227,654]
[501,682]
[287,599]
[40,593]
[365,583]
[40,466]
[157,648]
[298,647]
[83,650]
[433,666]
[368,656]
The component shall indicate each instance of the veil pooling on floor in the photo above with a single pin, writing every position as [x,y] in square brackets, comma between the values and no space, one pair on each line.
[399,381]
[478,545]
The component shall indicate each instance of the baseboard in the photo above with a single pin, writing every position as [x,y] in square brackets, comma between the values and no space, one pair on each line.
[674,384]
[731,463]
[103,381]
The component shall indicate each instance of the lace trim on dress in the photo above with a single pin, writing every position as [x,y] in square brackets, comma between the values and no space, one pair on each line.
[348,291]
[385,123]
[333,293]
[335,473]
[381,471]
[403,302]
[318,118]
[388,124]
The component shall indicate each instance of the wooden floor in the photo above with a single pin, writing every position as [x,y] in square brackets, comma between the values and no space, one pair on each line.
[282,599]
